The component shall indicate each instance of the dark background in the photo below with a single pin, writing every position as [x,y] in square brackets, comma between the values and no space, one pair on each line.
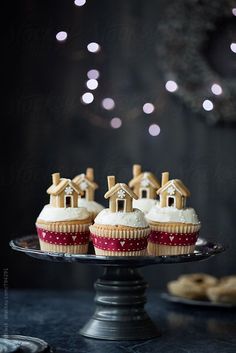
[47,129]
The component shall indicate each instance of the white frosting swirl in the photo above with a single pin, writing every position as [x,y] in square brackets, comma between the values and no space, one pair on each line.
[131,219]
[57,214]
[91,206]
[172,214]
[144,204]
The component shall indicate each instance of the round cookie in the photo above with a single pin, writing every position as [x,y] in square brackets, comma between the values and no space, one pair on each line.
[192,286]
[224,292]
[228,280]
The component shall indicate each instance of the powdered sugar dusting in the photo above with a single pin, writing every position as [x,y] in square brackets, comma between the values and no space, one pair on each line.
[172,214]
[130,219]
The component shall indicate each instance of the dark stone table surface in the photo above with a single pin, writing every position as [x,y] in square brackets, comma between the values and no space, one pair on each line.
[57,316]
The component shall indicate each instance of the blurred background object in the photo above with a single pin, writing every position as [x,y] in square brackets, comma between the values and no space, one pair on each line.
[205,69]
[107,84]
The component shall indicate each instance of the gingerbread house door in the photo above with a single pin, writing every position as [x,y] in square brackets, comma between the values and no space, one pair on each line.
[120,205]
[171,201]
[68,201]
[144,193]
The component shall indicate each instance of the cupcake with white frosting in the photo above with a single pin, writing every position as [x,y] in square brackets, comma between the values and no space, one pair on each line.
[174,227]
[145,185]
[120,230]
[88,186]
[61,225]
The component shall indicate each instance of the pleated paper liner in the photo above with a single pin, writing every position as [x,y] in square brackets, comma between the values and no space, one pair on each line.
[159,249]
[182,228]
[174,227]
[119,232]
[65,227]
[120,253]
[75,226]
[71,249]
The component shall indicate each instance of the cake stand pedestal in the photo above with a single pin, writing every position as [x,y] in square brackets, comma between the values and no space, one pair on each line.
[120,314]
[120,291]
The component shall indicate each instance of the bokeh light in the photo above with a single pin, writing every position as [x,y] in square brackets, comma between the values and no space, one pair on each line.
[148,108]
[207,105]
[93,74]
[233,47]
[154,130]
[92,84]
[108,103]
[171,86]
[93,47]
[87,98]
[116,123]
[216,89]
[234,11]
[80,2]
[61,36]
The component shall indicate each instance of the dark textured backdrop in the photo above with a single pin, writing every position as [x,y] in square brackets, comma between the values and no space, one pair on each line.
[49,130]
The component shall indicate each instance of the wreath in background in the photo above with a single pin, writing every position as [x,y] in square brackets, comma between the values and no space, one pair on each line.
[185,31]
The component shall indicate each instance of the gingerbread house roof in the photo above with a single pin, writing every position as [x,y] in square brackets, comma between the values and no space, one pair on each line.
[178,185]
[82,177]
[119,186]
[63,183]
[145,175]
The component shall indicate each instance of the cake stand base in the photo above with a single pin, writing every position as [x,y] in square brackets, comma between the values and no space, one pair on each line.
[120,314]
[120,291]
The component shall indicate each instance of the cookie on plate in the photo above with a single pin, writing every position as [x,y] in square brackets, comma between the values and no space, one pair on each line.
[224,292]
[192,286]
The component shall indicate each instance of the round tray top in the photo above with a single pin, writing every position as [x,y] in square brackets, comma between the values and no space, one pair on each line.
[30,246]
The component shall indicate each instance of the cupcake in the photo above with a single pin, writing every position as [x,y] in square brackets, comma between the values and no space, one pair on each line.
[61,225]
[120,230]
[174,227]
[86,183]
[145,185]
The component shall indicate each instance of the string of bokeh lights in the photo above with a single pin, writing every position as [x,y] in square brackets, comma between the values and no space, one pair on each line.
[148,108]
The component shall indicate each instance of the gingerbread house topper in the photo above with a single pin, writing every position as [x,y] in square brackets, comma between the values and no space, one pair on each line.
[144,184]
[172,192]
[87,184]
[63,192]
[120,196]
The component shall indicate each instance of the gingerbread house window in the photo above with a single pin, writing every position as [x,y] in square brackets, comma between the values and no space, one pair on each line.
[68,201]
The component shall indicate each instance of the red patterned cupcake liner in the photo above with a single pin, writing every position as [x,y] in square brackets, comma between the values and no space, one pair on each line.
[58,238]
[119,244]
[173,239]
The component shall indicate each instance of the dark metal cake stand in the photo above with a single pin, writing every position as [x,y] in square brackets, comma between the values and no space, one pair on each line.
[120,291]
